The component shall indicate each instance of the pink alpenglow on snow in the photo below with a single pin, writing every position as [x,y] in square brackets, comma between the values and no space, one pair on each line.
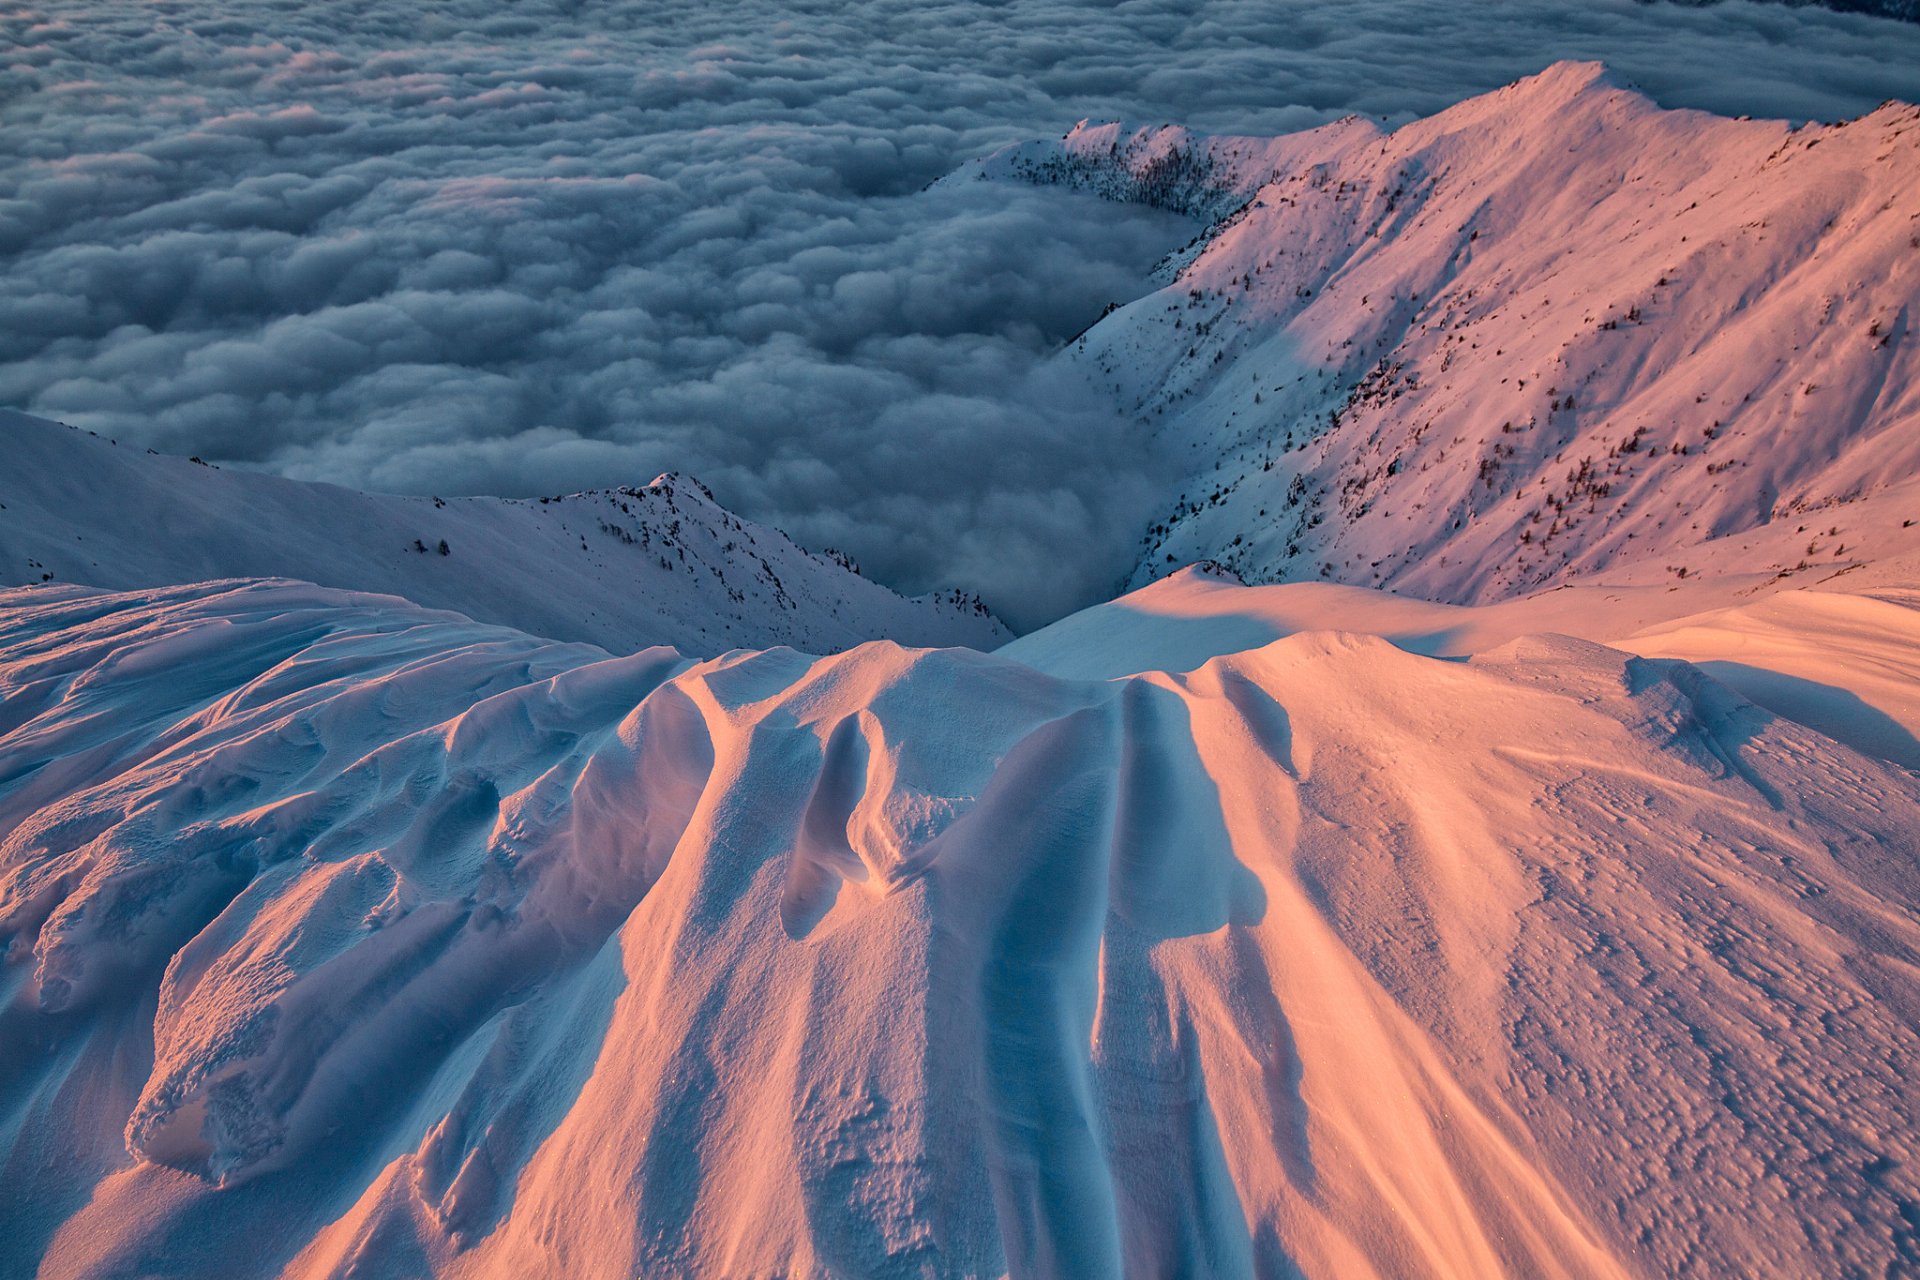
[350,937]
[1549,332]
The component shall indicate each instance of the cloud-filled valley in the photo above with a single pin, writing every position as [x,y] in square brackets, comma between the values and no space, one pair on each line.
[574,245]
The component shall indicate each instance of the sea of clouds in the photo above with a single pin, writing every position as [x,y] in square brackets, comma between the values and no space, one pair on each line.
[491,248]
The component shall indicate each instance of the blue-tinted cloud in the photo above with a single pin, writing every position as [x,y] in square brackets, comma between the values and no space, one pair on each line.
[562,245]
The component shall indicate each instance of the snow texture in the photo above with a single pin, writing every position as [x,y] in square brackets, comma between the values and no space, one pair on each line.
[346,937]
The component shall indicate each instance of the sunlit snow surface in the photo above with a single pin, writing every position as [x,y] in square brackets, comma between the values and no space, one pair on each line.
[342,932]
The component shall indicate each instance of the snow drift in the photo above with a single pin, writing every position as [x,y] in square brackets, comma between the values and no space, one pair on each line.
[350,938]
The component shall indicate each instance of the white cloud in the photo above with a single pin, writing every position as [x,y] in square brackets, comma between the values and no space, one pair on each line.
[566,245]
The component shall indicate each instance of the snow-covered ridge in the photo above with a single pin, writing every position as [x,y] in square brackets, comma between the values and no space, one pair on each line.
[1212,179]
[1842,656]
[624,568]
[343,936]
[1549,332]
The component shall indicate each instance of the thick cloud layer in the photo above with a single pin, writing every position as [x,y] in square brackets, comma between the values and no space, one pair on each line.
[558,245]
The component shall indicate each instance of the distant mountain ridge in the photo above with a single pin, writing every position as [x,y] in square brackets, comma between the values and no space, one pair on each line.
[623,568]
[1899,10]
[1551,331]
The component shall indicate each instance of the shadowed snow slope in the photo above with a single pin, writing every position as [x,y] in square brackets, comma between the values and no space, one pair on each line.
[623,568]
[1547,331]
[350,938]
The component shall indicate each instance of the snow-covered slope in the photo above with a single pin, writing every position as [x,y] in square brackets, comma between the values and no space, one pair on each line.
[346,938]
[622,568]
[1547,332]
[1840,656]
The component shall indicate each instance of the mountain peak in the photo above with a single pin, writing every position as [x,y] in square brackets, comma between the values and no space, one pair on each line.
[1552,332]
[1568,78]
[622,568]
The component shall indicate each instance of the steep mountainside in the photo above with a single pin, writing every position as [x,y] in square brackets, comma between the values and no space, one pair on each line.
[1551,331]
[622,568]
[344,938]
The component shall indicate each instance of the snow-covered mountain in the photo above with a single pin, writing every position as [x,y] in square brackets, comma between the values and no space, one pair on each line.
[1550,332]
[621,568]
[1300,929]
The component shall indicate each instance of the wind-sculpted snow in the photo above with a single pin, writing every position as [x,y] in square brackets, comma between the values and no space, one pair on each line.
[346,937]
